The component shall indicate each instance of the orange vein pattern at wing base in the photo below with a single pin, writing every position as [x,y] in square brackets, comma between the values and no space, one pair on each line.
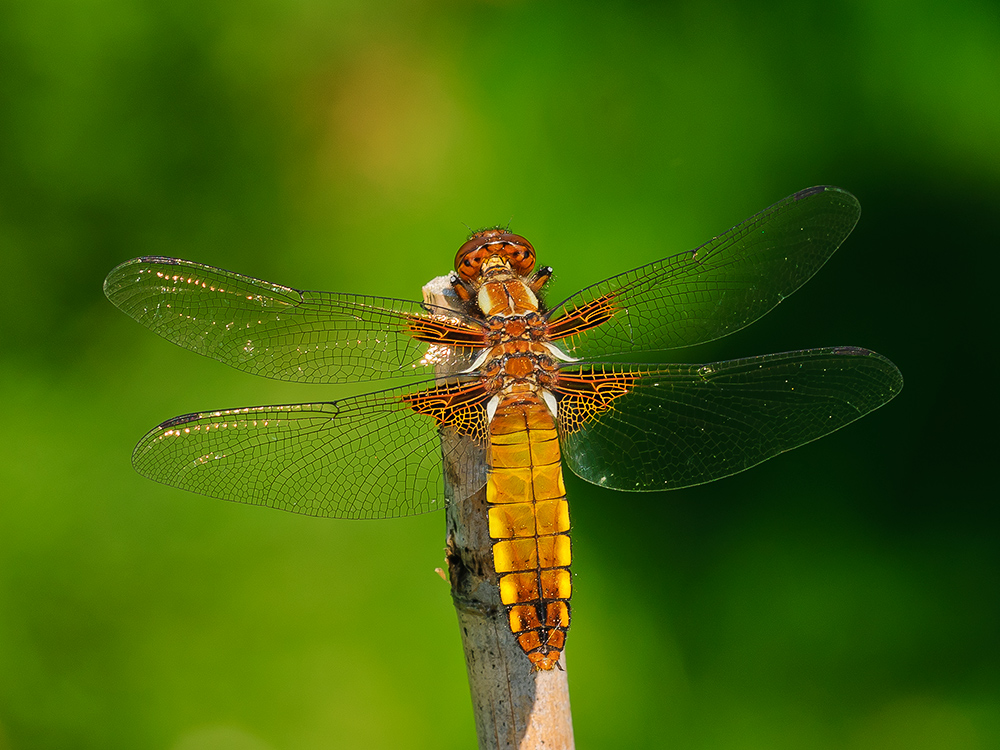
[455,404]
[529,523]
[586,395]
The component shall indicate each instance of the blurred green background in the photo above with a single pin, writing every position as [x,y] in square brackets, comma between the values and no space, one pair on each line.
[841,596]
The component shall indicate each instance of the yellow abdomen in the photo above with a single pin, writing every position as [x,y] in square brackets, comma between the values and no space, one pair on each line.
[529,523]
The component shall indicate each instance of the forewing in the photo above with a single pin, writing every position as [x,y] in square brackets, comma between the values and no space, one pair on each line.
[711,291]
[370,456]
[289,334]
[637,427]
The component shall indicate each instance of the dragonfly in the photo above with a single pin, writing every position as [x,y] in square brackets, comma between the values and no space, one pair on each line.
[512,388]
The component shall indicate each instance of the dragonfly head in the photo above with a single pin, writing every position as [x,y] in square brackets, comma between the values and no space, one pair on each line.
[492,248]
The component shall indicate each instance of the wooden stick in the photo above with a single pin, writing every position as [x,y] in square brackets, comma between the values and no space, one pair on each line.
[514,706]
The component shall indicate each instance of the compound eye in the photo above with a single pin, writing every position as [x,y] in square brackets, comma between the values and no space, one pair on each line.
[468,262]
[521,256]
[528,260]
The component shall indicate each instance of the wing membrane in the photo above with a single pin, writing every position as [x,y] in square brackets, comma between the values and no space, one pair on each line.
[716,289]
[668,426]
[370,456]
[285,333]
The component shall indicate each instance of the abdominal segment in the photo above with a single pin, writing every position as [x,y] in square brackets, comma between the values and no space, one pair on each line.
[529,523]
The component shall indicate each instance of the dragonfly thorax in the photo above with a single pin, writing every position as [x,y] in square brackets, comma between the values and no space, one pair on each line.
[506,296]
[519,362]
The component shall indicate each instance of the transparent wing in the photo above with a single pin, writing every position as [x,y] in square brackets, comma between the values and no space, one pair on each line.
[720,287]
[638,427]
[366,457]
[285,333]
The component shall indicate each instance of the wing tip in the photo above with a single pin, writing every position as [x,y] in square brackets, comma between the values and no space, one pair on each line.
[895,382]
[810,191]
[835,192]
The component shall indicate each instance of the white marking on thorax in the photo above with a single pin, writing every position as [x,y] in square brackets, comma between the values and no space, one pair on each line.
[488,304]
[558,353]
[479,362]
[484,299]
[531,295]
[550,402]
